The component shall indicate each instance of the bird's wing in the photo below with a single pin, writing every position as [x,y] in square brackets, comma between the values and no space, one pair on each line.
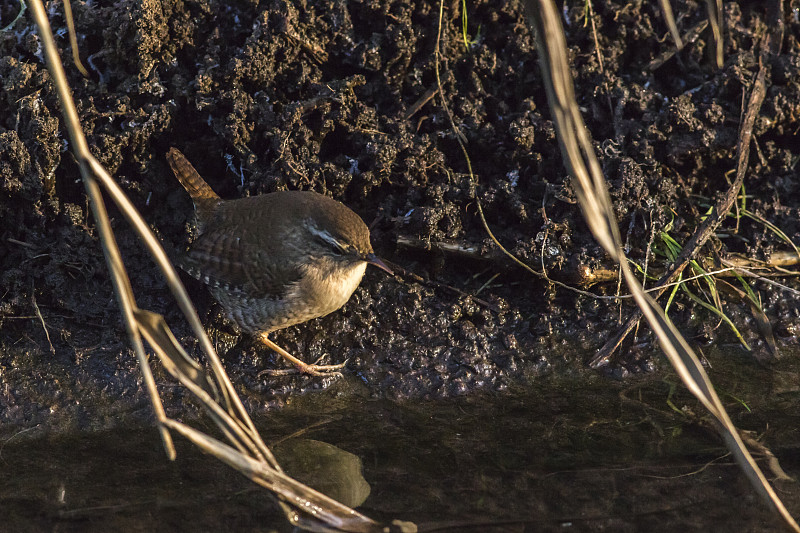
[223,259]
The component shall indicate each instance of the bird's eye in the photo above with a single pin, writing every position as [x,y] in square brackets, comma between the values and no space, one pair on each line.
[330,243]
[333,246]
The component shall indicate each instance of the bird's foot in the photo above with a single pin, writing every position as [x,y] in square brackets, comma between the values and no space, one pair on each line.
[304,368]
[300,367]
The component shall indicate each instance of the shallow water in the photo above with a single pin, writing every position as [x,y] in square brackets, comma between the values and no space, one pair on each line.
[579,453]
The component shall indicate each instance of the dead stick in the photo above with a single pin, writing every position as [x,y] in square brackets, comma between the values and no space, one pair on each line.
[426,97]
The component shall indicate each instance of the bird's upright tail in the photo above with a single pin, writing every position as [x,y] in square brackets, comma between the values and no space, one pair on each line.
[204,197]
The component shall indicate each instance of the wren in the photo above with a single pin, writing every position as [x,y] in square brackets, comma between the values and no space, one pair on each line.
[276,259]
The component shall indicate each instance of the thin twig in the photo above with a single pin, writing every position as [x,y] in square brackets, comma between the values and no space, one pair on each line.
[766,280]
[689,37]
[669,18]
[41,318]
[73,39]
[120,281]
[22,8]
[594,36]
[714,8]
[426,97]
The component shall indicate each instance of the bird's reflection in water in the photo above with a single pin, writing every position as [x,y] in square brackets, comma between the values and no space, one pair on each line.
[324,467]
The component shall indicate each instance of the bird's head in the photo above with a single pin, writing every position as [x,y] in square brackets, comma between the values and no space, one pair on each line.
[337,233]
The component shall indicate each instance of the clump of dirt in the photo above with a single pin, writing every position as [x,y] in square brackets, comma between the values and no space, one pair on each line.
[266,96]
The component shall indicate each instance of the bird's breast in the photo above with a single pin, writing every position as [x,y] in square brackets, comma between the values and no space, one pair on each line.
[330,287]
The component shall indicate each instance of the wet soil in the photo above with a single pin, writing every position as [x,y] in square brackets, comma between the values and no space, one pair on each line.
[266,96]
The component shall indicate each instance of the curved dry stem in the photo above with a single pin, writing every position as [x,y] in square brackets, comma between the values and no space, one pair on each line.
[119,278]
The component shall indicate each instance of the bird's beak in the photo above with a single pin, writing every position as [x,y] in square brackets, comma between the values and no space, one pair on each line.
[373,259]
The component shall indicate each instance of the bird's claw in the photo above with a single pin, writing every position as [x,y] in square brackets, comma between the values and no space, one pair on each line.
[312,370]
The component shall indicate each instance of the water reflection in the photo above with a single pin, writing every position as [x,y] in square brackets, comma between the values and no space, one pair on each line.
[324,467]
[581,453]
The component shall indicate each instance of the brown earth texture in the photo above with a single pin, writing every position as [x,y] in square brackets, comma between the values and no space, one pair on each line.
[335,97]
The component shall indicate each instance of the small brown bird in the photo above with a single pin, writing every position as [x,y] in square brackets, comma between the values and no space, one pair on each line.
[275,260]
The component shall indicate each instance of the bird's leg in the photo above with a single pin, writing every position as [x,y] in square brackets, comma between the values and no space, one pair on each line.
[300,366]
